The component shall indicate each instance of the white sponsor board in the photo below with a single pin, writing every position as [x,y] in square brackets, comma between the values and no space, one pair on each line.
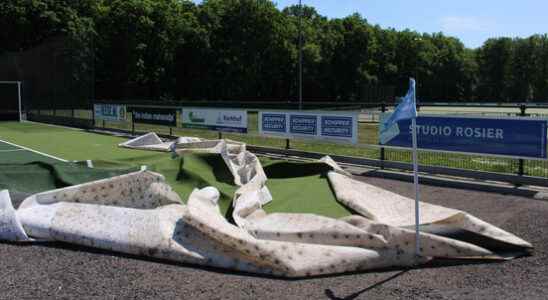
[336,126]
[110,112]
[228,120]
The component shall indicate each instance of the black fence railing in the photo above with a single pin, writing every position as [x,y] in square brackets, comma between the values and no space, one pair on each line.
[251,104]
[494,164]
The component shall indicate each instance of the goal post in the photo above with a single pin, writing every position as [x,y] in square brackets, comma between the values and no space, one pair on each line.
[8,109]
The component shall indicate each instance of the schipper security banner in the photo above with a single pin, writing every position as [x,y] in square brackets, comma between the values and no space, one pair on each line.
[335,126]
[519,137]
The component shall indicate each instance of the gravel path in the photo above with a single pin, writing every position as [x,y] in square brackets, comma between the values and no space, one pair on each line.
[55,270]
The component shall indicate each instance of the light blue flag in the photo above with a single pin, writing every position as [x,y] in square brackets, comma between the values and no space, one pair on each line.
[172,149]
[407,109]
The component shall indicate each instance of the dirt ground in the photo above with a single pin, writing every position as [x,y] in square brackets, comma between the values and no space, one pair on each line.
[54,270]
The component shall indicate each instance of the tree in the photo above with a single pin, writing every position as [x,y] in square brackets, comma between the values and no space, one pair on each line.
[351,61]
[137,42]
[540,58]
[248,49]
[494,62]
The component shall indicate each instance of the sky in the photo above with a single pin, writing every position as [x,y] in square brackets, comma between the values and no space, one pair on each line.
[472,21]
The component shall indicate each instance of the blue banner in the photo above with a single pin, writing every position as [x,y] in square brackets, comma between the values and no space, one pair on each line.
[511,137]
[337,126]
[303,124]
[333,126]
[273,122]
[109,112]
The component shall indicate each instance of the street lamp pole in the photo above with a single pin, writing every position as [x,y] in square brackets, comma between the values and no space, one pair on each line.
[300,55]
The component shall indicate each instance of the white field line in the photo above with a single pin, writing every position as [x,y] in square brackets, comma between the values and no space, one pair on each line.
[37,152]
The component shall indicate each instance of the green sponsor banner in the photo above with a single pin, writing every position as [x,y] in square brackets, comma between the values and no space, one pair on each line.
[228,120]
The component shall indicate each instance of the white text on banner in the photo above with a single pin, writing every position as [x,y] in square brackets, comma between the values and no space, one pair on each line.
[110,112]
[227,120]
[334,126]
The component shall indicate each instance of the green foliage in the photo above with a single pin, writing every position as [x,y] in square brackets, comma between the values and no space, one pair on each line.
[27,23]
[138,40]
[248,49]
[514,69]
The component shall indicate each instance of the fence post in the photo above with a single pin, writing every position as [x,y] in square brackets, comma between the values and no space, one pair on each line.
[170,131]
[383,110]
[220,135]
[521,170]
[93,116]
[132,124]
[287,145]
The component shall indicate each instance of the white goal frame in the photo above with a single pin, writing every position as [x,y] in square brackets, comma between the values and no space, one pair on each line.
[18,96]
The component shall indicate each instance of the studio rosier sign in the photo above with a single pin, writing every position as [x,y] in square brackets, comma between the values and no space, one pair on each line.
[518,137]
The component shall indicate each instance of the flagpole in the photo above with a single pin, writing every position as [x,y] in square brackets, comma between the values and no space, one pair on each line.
[300,55]
[406,110]
[416,184]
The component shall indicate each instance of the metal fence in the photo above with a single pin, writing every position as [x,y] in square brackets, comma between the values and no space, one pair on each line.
[367,133]
[57,80]
[366,148]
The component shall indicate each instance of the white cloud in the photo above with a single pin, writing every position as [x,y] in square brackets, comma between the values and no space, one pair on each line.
[460,24]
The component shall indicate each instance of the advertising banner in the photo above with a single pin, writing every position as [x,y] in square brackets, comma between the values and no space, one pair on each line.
[227,120]
[336,126]
[519,137]
[157,116]
[110,112]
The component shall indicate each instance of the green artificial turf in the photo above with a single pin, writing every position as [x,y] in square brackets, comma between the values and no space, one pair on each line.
[38,177]
[203,170]
[300,187]
[295,187]
[13,155]
[67,143]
